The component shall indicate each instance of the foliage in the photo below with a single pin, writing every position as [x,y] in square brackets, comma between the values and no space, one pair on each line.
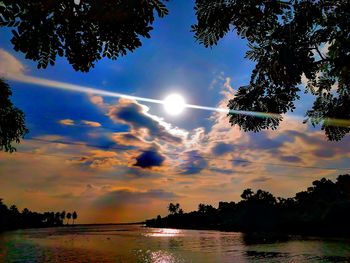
[69,216]
[12,123]
[288,41]
[74,216]
[174,208]
[12,218]
[323,209]
[82,31]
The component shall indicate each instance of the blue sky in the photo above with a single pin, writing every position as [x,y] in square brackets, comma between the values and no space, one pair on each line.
[170,60]
[203,169]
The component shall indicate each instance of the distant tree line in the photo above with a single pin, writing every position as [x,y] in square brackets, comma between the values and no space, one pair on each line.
[323,210]
[11,218]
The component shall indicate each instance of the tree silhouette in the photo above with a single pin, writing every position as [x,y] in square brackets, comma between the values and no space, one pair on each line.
[247,194]
[174,208]
[323,209]
[82,31]
[12,123]
[69,216]
[201,208]
[288,40]
[14,209]
[63,215]
[11,218]
[74,216]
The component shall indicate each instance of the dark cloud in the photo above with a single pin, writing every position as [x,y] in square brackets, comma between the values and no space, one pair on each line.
[148,159]
[261,141]
[260,179]
[222,148]
[194,163]
[136,116]
[125,196]
[324,153]
[241,163]
[220,170]
[290,159]
[322,148]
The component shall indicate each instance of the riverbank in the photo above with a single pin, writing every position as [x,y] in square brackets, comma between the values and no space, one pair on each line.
[322,210]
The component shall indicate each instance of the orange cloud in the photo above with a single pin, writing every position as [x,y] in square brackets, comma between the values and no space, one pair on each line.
[91,123]
[67,122]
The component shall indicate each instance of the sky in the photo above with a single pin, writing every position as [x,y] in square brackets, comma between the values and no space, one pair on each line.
[123,160]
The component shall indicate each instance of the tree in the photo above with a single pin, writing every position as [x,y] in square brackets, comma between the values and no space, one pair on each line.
[82,31]
[288,41]
[247,194]
[63,216]
[74,216]
[201,208]
[58,220]
[12,123]
[174,209]
[14,209]
[69,216]
[205,209]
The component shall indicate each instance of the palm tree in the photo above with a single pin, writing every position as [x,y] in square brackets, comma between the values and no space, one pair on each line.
[173,209]
[63,215]
[75,216]
[69,216]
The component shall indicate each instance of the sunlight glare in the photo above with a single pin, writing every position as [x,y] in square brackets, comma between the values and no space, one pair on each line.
[174,104]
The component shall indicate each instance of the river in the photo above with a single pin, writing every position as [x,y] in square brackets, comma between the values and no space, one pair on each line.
[134,243]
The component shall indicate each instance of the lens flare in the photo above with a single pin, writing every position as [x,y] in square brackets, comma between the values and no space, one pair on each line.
[93,91]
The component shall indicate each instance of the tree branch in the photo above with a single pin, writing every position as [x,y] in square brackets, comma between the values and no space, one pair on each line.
[319,53]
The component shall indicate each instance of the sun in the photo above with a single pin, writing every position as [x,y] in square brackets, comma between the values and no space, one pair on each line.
[174,104]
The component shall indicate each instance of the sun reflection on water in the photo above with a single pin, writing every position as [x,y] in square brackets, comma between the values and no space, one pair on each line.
[165,232]
[163,257]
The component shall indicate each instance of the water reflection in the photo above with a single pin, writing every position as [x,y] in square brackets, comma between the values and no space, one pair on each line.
[138,244]
[165,232]
[263,238]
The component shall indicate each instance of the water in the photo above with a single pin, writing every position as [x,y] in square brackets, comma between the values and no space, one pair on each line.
[134,243]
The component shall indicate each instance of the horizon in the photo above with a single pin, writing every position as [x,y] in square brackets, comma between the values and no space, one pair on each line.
[144,221]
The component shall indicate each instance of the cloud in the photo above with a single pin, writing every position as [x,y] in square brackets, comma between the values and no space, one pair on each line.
[262,141]
[100,159]
[68,122]
[84,175]
[136,116]
[97,100]
[219,77]
[260,179]
[148,159]
[129,139]
[193,163]
[91,123]
[9,65]
[290,159]
[222,148]
[126,196]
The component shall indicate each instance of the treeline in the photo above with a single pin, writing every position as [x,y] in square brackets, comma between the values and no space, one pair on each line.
[323,209]
[11,218]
